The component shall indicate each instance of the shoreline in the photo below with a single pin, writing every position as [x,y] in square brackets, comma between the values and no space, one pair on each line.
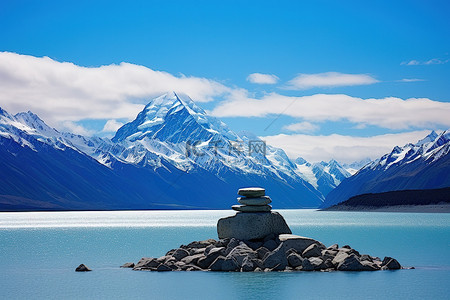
[429,208]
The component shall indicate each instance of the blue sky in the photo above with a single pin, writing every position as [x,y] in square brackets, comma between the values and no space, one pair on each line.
[348,51]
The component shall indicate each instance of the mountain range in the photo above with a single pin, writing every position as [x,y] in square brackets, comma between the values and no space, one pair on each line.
[172,156]
[420,166]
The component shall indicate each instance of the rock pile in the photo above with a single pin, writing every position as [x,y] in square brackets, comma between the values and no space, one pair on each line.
[258,239]
[284,252]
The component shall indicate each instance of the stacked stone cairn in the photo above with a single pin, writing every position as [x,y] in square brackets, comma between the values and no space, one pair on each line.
[253,200]
[258,239]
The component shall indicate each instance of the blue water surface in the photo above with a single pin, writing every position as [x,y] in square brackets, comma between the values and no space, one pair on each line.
[39,252]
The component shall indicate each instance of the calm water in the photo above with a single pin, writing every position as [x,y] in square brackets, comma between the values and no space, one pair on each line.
[39,252]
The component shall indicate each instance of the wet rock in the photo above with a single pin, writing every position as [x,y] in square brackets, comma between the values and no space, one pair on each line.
[390,263]
[82,268]
[312,251]
[262,251]
[242,251]
[276,259]
[127,265]
[350,263]
[299,243]
[179,254]
[163,268]
[248,265]
[294,260]
[271,245]
[192,259]
[146,263]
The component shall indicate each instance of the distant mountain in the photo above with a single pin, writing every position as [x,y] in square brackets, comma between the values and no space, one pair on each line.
[172,156]
[424,165]
[324,176]
[354,167]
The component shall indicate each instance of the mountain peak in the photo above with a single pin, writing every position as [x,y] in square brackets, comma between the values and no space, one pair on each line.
[174,118]
[429,138]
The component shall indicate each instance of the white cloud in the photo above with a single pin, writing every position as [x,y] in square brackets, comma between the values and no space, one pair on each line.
[328,79]
[410,80]
[390,112]
[302,127]
[72,127]
[60,92]
[262,78]
[112,126]
[343,148]
[433,61]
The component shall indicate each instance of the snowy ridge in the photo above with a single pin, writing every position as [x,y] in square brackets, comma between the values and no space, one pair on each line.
[420,166]
[324,176]
[432,147]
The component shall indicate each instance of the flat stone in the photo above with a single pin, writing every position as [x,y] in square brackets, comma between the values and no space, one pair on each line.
[249,225]
[252,208]
[252,192]
[255,201]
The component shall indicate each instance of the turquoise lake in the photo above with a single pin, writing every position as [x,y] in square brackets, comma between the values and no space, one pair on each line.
[39,252]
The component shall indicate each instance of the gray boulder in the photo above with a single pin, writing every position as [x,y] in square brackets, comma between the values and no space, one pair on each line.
[299,243]
[207,260]
[262,251]
[294,260]
[146,263]
[248,226]
[270,244]
[276,259]
[390,263]
[192,259]
[350,263]
[179,254]
[224,264]
[163,268]
[317,263]
[241,252]
[307,266]
[312,251]
[248,265]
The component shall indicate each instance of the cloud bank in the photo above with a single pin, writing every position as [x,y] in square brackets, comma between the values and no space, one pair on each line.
[62,91]
[343,148]
[328,79]
[390,112]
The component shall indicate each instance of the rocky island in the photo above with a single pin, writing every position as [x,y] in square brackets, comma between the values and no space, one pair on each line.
[258,239]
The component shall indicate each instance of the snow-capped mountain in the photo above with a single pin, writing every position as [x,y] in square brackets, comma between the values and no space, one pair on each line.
[324,176]
[424,165]
[354,167]
[173,155]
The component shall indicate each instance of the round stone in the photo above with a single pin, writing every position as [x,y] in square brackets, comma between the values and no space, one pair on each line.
[264,200]
[252,208]
[252,192]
